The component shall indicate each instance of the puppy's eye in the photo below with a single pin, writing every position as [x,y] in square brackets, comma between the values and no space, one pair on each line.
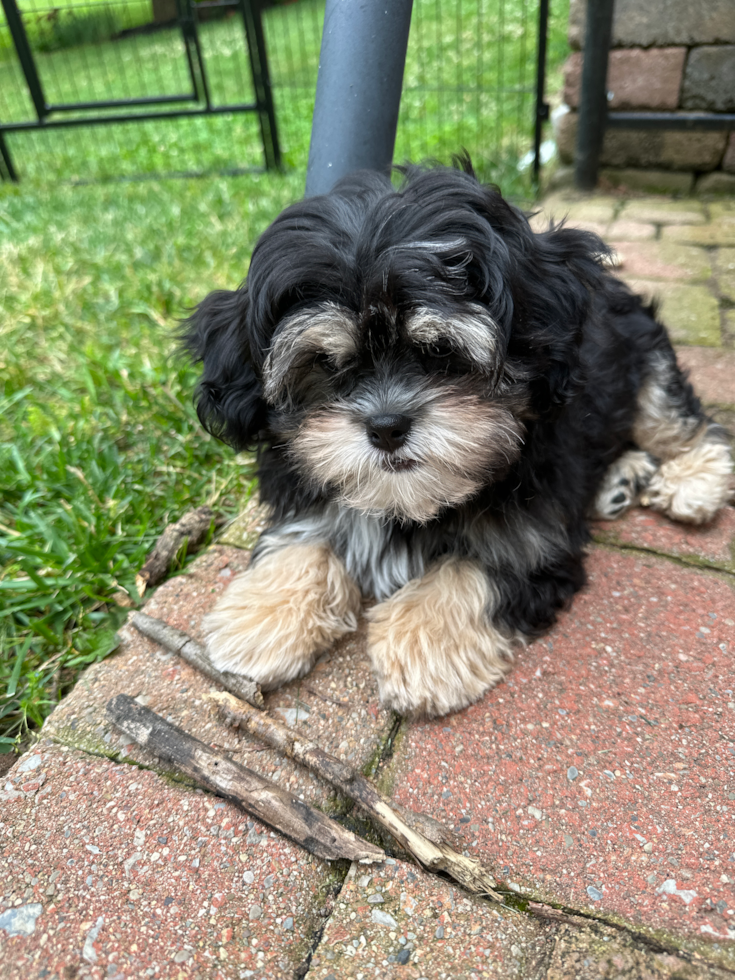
[323,361]
[439,348]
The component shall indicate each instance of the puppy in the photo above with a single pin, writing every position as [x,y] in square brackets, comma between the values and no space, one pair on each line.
[440,400]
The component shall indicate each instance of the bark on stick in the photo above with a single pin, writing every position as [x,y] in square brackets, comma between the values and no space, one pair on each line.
[409,829]
[263,799]
[192,528]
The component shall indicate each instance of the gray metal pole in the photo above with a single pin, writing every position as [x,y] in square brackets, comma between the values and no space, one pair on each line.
[358,89]
[593,97]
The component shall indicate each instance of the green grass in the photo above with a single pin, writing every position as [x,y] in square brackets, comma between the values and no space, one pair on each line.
[99,444]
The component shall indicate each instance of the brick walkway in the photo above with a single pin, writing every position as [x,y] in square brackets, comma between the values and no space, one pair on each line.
[598,779]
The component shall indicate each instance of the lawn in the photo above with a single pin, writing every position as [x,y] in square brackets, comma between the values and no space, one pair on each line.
[99,443]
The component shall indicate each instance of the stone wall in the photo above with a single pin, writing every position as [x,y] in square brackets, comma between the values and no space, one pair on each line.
[667,55]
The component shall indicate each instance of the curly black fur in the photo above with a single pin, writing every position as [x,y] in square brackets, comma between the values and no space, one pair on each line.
[571,348]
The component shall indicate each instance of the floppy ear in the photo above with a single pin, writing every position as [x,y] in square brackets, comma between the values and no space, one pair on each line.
[538,288]
[555,276]
[229,395]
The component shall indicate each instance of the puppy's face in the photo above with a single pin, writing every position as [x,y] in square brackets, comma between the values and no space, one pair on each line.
[393,343]
[397,413]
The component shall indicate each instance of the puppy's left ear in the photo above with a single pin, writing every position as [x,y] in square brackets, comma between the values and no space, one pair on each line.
[229,394]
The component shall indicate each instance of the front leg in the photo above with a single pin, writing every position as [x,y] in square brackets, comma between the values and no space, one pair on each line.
[433,644]
[276,617]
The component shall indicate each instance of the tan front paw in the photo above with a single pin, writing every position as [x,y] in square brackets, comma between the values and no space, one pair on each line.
[276,617]
[433,645]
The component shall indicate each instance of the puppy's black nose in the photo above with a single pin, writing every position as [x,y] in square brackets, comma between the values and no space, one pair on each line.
[388,432]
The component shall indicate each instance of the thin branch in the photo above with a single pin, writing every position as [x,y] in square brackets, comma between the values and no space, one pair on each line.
[192,528]
[262,798]
[195,654]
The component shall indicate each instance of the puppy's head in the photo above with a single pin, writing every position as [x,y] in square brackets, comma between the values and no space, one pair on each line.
[395,344]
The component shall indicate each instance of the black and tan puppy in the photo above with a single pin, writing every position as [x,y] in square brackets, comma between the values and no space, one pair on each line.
[440,399]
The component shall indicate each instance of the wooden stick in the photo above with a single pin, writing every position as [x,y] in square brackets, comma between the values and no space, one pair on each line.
[409,829]
[427,839]
[192,528]
[542,911]
[195,654]
[263,799]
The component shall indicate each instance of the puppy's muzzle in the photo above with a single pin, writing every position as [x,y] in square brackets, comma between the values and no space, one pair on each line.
[388,432]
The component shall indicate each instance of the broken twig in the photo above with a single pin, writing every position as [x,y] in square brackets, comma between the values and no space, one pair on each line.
[263,799]
[195,654]
[411,830]
[192,528]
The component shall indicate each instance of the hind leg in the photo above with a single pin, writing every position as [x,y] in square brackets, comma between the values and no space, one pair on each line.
[623,484]
[693,480]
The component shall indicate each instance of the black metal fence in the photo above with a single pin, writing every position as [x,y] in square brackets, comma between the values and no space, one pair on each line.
[184,86]
[83,66]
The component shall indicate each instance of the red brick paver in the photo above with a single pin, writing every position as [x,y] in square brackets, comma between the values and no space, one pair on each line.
[602,773]
[713,544]
[397,921]
[711,371]
[117,873]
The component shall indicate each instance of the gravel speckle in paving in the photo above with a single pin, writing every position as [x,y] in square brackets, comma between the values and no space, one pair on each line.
[21,920]
[28,763]
[383,918]
[135,904]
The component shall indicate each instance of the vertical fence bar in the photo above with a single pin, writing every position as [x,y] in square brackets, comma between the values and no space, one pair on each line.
[542,107]
[261,82]
[358,89]
[182,12]
[7,160]
[593,96]
[25,56]
[193,32]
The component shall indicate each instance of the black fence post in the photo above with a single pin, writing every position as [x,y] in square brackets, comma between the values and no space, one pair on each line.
[25,56]
[593,96]
[262,83]
[358,89]
[11,173]
[542,107]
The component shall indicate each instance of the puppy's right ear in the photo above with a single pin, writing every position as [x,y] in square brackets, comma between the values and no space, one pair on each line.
[229,394]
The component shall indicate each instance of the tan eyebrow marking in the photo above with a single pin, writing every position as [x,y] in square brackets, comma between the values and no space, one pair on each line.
[327,329]
[474,333]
